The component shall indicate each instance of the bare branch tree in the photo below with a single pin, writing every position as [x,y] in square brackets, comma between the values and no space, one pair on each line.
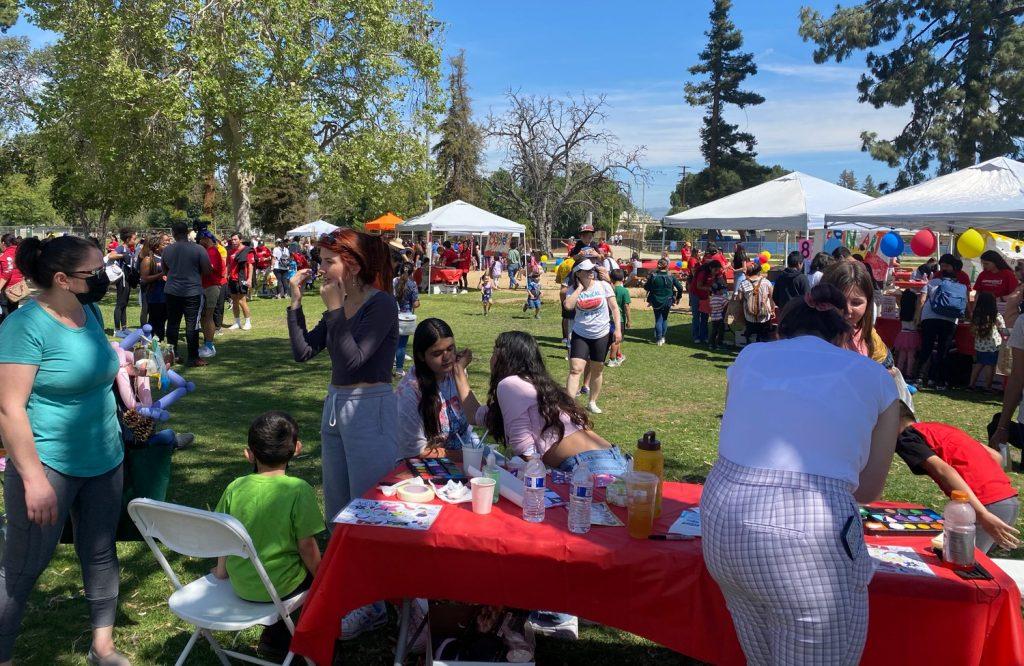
[556,151]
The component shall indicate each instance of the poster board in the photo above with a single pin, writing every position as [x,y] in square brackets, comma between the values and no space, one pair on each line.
[498,242]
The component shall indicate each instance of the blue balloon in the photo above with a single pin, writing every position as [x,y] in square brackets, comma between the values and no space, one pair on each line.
[558,261]
[892,245]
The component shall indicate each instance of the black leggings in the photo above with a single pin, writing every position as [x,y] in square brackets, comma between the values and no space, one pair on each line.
[124,293]
[158,319]
[937,333]
[189,307]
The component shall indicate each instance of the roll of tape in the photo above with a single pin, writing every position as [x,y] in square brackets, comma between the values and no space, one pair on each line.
[415,493]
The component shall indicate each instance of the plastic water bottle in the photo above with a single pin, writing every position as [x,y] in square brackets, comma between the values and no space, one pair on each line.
[580,497]
[533,491]
[958,535]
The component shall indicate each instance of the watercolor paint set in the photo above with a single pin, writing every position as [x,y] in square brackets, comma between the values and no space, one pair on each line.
[900,522]
[438,470]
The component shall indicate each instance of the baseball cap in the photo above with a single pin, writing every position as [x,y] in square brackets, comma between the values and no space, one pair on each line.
[585,265]
[586,227]
[206,233]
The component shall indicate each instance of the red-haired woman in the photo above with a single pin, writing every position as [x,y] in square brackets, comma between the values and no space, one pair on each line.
[360,332]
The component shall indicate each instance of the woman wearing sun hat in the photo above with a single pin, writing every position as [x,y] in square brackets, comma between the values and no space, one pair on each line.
[596,312]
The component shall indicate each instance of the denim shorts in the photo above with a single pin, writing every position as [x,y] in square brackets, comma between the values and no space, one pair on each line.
[986,358]
[601,461]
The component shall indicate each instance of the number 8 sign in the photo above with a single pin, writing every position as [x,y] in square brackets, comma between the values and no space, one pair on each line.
[805,248]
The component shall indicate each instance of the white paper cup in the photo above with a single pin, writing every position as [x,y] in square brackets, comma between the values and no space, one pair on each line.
[483,494]
[472,457]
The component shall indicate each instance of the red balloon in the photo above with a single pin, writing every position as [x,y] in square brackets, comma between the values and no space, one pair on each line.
[923,243]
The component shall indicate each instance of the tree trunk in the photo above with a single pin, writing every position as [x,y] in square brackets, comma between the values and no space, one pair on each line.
[975,98]
[239,180]
[209,194]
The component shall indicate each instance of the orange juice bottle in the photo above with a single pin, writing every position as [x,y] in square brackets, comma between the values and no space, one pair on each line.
[649,458]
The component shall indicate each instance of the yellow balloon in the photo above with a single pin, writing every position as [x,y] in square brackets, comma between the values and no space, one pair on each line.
[685,264]
[765,268]
[544,258]
[970,244]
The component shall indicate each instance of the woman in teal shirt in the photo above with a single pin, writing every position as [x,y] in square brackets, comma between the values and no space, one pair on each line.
[59,423]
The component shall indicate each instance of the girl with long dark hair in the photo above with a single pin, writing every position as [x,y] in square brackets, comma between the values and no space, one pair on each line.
[434,397]
[996,276]
[534,416]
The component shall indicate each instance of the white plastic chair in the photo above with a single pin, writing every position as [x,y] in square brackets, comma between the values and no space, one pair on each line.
[209,603]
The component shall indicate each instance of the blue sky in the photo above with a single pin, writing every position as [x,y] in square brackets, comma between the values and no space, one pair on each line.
[637,54]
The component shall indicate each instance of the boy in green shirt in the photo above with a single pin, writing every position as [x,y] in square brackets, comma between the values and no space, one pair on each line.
[616,357]
[282,516]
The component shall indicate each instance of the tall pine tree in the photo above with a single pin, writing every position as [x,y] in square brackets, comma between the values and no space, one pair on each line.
[458,152]
[729,153]
[959,66]
[848,180]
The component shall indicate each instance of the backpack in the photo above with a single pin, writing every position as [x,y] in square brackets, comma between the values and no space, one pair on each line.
[949,299]
[757,302]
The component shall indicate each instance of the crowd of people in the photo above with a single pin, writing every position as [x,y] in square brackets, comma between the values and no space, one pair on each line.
[777,486]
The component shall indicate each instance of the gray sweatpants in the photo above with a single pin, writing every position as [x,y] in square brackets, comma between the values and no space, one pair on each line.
[94,503]
[1007,511]
[359,442]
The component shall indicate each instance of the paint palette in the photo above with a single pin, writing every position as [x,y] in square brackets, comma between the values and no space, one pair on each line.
[900,522]
[438,470]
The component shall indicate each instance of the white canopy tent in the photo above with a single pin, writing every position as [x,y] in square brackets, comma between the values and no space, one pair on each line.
[794,202]
[313,229]
[459,217]
[986,196]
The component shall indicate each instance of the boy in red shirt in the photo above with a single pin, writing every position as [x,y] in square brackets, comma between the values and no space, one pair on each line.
[956,461]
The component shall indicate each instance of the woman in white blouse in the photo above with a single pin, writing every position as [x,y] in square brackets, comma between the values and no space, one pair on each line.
[781,530]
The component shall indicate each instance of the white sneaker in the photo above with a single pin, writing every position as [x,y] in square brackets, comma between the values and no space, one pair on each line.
[234,327]
[247,326]
[620,360]
[661,342]
[594,409]
[207,352]
[554,625]
[361,620]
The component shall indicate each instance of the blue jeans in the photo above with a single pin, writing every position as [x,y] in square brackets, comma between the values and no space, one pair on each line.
[512,270]
[403,342]
[601,461]
[699,328]
[661,322]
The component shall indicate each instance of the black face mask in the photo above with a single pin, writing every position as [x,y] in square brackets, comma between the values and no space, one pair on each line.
[98,285]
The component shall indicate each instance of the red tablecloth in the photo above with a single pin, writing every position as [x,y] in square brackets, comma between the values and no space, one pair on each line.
[445,275]
[659,590]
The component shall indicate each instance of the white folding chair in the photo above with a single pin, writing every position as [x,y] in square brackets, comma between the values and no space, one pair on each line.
[209,603]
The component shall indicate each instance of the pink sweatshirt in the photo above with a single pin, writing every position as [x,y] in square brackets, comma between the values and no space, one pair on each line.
[523,422]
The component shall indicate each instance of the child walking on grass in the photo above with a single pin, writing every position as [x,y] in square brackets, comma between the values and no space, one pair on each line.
[282,516]
[988,328]
[622,297]
[533,295]
[486,292]
[718,301]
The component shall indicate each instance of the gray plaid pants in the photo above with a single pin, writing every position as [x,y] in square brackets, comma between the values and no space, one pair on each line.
[773,542]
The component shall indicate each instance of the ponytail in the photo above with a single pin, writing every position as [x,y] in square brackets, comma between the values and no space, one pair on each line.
[40,260]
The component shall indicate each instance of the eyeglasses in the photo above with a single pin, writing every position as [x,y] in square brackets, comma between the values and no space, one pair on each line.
[88,274]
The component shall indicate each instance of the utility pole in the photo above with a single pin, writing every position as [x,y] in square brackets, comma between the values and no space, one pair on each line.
[682,179]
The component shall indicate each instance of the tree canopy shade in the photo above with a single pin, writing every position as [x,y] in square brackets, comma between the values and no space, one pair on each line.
[959,66]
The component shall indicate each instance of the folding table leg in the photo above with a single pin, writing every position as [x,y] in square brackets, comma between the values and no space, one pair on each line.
[403,632]
[188,648]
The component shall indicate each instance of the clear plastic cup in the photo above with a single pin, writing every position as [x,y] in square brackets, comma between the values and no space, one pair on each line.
[482,488]
[641,493]
[472,456]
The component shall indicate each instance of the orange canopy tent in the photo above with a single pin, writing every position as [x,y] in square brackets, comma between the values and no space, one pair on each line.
[385,222]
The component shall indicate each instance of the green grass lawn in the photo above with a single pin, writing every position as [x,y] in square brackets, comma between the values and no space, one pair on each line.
[677,390]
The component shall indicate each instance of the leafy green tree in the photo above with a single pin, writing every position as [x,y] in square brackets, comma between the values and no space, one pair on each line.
[8,14]
[26,203]
[869,188]
[848,180]
[959,66]
[729,153]
[458,152]
[280,202]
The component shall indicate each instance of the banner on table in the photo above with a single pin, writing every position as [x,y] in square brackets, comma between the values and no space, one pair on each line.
[498,242]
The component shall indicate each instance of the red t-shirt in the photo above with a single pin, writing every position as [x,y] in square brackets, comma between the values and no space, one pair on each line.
[956,448]
[999,283]
[236,263]
[465,257]
[964,279]
[263,257]
[217,275]
[8,270]
[449,257]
